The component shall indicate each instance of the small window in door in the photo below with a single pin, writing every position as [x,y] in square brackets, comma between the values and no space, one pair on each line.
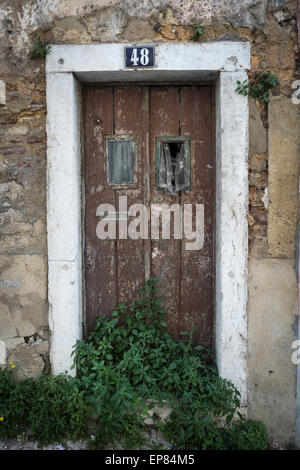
[173,164]
[121,160]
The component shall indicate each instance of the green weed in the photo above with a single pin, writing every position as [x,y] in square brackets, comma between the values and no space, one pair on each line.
[129,364]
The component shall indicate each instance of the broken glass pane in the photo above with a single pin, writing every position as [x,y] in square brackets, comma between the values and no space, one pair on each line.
[166,175]
[173,167]
[180,170]
[120,161]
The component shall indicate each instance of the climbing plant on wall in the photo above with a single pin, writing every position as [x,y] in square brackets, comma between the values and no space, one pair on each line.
[259,86]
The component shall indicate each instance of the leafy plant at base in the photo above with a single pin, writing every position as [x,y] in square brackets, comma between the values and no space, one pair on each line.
[133,362]
[45,409]
[129,364]
[259,87]
[40,49]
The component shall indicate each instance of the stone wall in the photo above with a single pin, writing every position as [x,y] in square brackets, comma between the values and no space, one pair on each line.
[271,28]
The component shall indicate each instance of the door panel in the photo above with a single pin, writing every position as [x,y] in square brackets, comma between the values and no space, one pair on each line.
[115,270]
[165,254]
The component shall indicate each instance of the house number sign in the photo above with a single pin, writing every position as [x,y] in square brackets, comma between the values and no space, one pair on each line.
[139,56]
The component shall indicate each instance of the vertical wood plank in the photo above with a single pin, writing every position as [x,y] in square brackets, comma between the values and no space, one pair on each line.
[164,121]
[129,118]
[100,262]
[197,278]
[146,178]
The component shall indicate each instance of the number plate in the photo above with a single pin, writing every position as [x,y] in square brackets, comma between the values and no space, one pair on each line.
[139,56]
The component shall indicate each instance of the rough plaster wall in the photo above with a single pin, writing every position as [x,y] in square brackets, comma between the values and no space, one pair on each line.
[273,219]
[272,305]
[105,19]
[273,292]
[270,26]
[284,132]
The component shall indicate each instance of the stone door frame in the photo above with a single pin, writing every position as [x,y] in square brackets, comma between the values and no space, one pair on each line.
[67,66]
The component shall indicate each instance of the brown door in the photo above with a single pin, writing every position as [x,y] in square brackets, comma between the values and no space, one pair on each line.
[153,146]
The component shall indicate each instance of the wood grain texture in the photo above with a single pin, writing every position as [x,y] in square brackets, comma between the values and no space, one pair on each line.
[115,270]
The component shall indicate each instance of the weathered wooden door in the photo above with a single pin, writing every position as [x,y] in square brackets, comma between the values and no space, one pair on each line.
[154,145]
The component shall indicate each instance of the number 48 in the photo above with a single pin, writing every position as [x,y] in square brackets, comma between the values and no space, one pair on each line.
[144,56]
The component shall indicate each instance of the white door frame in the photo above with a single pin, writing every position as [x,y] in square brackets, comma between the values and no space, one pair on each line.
[67,66]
